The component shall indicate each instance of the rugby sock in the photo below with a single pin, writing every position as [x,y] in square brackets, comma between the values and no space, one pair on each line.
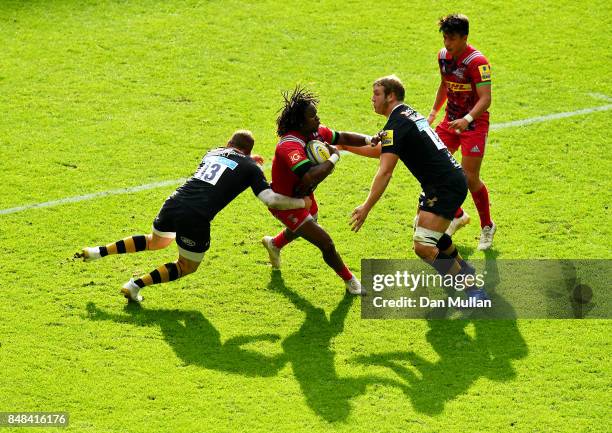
[466,268]
[447,263]
[481,200]
[280,240]
[163,274]
[459,213]
[345,274]
[128,245]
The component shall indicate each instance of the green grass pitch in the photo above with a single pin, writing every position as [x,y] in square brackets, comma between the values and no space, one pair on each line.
[100,95]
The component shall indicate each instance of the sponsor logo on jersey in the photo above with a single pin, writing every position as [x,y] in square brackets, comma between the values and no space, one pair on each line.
[458,87]
[224,161]
[387,138]
[431,201]
[422,124]
[485,72]
[295,156]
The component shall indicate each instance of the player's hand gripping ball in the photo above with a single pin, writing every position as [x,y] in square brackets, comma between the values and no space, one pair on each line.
[317,151]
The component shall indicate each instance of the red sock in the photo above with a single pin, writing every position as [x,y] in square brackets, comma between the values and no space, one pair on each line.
[481,200]
[345,274]
[280,240]
[459,213]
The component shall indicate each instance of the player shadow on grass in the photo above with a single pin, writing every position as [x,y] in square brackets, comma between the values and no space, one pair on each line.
[197,342]
[312,359]
[463,358]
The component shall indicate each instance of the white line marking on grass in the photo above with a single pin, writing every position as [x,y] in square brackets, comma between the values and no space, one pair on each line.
[600,96]
[548,117]
[154,185]
[79,198]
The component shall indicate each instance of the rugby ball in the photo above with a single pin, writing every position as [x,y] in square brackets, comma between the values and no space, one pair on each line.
[317,151]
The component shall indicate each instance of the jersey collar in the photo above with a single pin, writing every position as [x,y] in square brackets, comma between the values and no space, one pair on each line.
[298,135]
[468,50]
[399,104]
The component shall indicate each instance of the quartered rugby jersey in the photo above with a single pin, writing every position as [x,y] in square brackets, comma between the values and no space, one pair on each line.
[461,77]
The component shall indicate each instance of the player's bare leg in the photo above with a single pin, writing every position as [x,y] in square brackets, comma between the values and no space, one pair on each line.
[316,235]
[480,195]
[167,272]
[132,244]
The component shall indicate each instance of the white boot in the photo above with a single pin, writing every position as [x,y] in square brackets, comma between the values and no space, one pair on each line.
[273,251]
[353,286]
[131,291]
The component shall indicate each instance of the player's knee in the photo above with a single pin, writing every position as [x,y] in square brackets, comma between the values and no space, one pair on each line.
[473,180]
[327,246]
[155,242]
[425,243]
[187,266]
[426,252]
[444,243]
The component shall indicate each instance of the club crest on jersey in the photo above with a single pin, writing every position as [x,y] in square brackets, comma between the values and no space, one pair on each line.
[295,156]
[459,73]
[485,72]
[387,138]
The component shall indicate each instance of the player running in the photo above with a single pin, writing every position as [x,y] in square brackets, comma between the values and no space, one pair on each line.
[466,86]
[408,137]
[222,175]
[293,174]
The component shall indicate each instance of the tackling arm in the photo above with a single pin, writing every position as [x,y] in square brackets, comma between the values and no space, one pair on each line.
[359,144]
[281,202]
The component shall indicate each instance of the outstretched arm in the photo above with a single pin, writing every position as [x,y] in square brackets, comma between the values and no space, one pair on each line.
[353,139]
[360,144]
[379,184]
[282,202]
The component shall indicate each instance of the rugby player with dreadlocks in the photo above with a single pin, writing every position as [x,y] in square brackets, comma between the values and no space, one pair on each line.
[293,174]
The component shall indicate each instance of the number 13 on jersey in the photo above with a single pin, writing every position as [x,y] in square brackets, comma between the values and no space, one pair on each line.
[212,168]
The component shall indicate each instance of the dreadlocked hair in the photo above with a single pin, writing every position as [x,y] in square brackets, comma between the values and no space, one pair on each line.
[292,115]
